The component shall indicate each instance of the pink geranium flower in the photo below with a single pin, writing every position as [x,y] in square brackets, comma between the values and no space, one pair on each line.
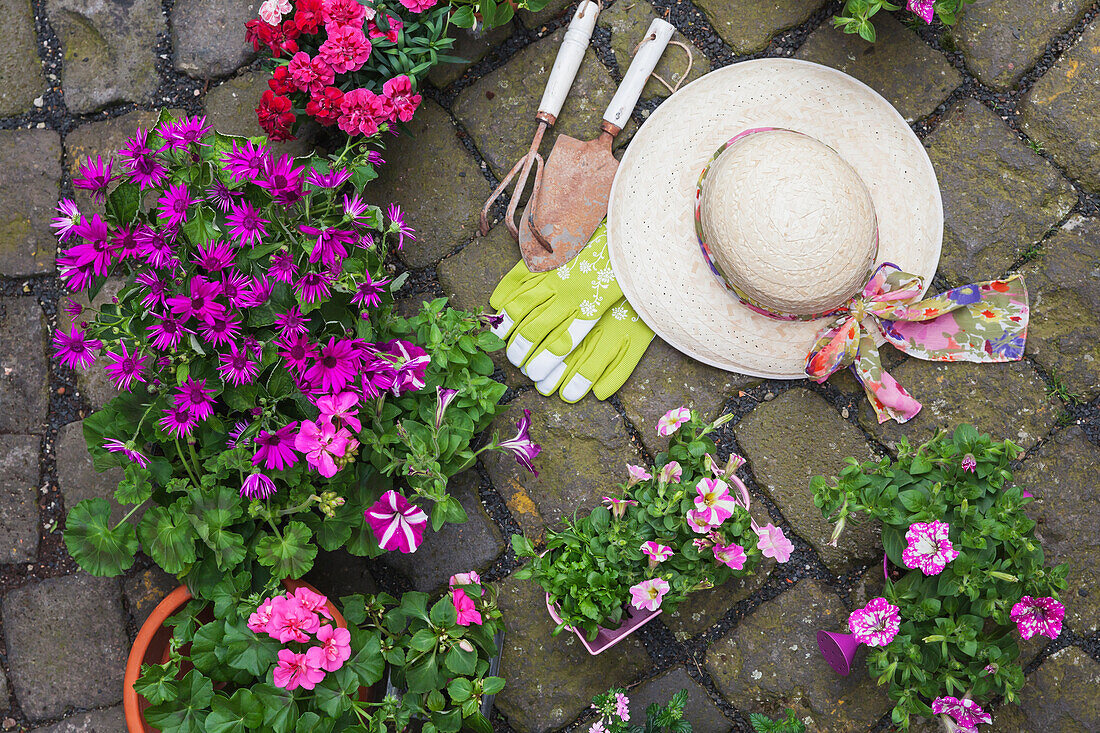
[335,647]
[929,548]
[671,473]
[323,443]
[397,524]
[291,621]
[965,712]
[419,6]
[773,543]
[713,501]
[261,617]
[342,407]
[732,556]
[876,624]
[671,421]
[312,600]
[299,670]
[648,594]
[656,552]
[465,607]
[469,578]
[1038,616]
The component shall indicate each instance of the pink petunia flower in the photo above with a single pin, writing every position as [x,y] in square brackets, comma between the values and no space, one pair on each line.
[671,421]
[299,670]
[968,463]
[521,446]
[648,594]
[965,712]
[656,552]
[876,624]
[637,473]
[322,444]
[670,473]
[732,556]
[465,607]
[773,543]
[924,9]
[698,522]
[1038,616]
[397,524]
[335,647]
[929,548]
[617,506]
[291,621]
[713,501]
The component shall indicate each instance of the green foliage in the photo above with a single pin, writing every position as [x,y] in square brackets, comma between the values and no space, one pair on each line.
[956,634]
[588,567]
[658,718]
[493,12]
[855,16]
[789,724]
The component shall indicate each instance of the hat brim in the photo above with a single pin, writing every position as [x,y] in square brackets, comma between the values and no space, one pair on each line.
[650,221]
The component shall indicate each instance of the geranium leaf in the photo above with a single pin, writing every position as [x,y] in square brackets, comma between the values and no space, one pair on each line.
[157,683]
[100,548]
[247,650]
[280,710]
[188,712]
[288,556]
[237,714]
[168,537]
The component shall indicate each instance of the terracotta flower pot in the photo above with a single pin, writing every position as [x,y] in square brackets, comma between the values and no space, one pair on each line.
[607,638]
[151,647]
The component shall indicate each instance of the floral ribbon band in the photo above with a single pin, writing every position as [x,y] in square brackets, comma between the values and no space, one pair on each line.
[984,322]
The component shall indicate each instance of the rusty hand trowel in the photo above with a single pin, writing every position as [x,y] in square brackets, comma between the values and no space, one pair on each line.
[562,74]
[570,200]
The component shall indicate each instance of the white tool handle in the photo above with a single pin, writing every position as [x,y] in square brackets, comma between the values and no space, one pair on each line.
[569,58]
[649,53]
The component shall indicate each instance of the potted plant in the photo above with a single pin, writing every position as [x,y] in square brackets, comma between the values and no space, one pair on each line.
[945,636]
[270,400]
[613,709]
[855,16]
[679,526]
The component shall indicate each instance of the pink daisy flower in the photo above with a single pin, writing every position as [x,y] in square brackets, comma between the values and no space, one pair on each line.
[276,449]
[221,331]
[167,331]
[246,161]
[876,624]
[397,524]
[174,204]
[1038,616]
[313,286]
[297,351]
[215,256]
[368,294]
[929,548]
[64,224]
[94,177]
[74,348]
[125,368]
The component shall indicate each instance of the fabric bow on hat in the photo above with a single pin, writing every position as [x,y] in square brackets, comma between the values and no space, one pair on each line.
[983,322]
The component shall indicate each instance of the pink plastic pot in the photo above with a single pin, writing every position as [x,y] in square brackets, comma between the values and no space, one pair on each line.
[838,650]
[607,638]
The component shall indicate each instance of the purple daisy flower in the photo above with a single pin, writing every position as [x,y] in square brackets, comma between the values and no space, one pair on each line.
[1038,616]
[292,322]
[125,243]
[336,365]
[75,277]
[73,308]
[174,204]
[259,290]
[355,208]
[128,449]
[140,161]
[237,288]
[246,225]
[245,162]
[201,303]
[369,293]
[67,221]
[282,181]
[221,331]
[188,131]
[97,251]
[156,246]
[333,179]
[329,248]
[282,267]
[397,224]
[221,196]
[313,286]
[297,351]
[167,331]
[257,486]
[235,435]
[521,446]
[375,158]
[876,624]
[153,289]
[196,397]
[237,367]
[276,449]
[178,421]
[215,255]
[74,348]
[929,548]
[94,177]
[125,368]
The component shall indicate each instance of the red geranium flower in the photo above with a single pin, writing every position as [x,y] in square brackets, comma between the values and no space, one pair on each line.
[325,107]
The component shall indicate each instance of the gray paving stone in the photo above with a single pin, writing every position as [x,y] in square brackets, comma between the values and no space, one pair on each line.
[665,379]
[499,109]
[700,710]
[1001,40]
[231,109]
[145,589]
[770,661]
[103,138]
[470,276]
[339,573]
[19,497]
[1064,290]
[436,182]
[585,449]
[455,547]
[912,75]
[1062,476]
[208,36]
[78,478]
[627,22]
[23,366]
[93,383]
[553,9]
[110,720]
[748,25]
[1062,695]
[1059,112]
[5,698]
[790,440]
[551,679]
[67,645]
[471,46]
[999,196]
[109,50]
[1004,400]
[21,78]
[31,160]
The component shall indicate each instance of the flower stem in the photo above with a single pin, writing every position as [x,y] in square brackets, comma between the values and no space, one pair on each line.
[128,515]
[186,465]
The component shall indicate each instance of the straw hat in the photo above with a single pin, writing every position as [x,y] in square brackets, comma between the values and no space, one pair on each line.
[755,203]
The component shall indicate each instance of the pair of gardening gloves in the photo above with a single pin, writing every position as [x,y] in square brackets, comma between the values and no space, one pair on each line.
[570,329]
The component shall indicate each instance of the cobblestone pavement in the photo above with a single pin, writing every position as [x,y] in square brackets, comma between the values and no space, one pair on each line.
[1006,103]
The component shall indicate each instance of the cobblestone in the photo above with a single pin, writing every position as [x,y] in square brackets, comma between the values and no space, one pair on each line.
[748,25]
[31,160]
[700,709]
[110,720]
[18,497]
[23,368]
[1063,695]
[78,478]
[208,36]
[21,78]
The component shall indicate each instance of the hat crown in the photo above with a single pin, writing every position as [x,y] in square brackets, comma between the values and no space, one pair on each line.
[788,222]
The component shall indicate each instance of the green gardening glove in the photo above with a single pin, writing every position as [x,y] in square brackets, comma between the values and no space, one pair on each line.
[547,314]
[606,357]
